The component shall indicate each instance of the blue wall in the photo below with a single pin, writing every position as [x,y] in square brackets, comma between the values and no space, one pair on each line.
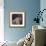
[30,7]
[43,6]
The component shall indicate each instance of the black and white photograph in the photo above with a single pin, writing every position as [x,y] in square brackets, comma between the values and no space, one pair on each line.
[17,19]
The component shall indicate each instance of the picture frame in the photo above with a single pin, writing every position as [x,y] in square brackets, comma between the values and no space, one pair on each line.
[17,19]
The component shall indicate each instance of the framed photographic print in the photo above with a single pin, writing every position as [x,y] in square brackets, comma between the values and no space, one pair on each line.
[17,19]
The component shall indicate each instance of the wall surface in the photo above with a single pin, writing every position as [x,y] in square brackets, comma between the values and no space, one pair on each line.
[43,6]
[30,7]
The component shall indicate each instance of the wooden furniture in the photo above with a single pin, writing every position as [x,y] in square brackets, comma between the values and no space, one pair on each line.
[39,36]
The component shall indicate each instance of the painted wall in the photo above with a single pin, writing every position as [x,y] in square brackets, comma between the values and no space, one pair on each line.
[43,6]
[30,7]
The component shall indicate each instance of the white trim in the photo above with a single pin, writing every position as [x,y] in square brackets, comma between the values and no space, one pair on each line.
[1,24]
